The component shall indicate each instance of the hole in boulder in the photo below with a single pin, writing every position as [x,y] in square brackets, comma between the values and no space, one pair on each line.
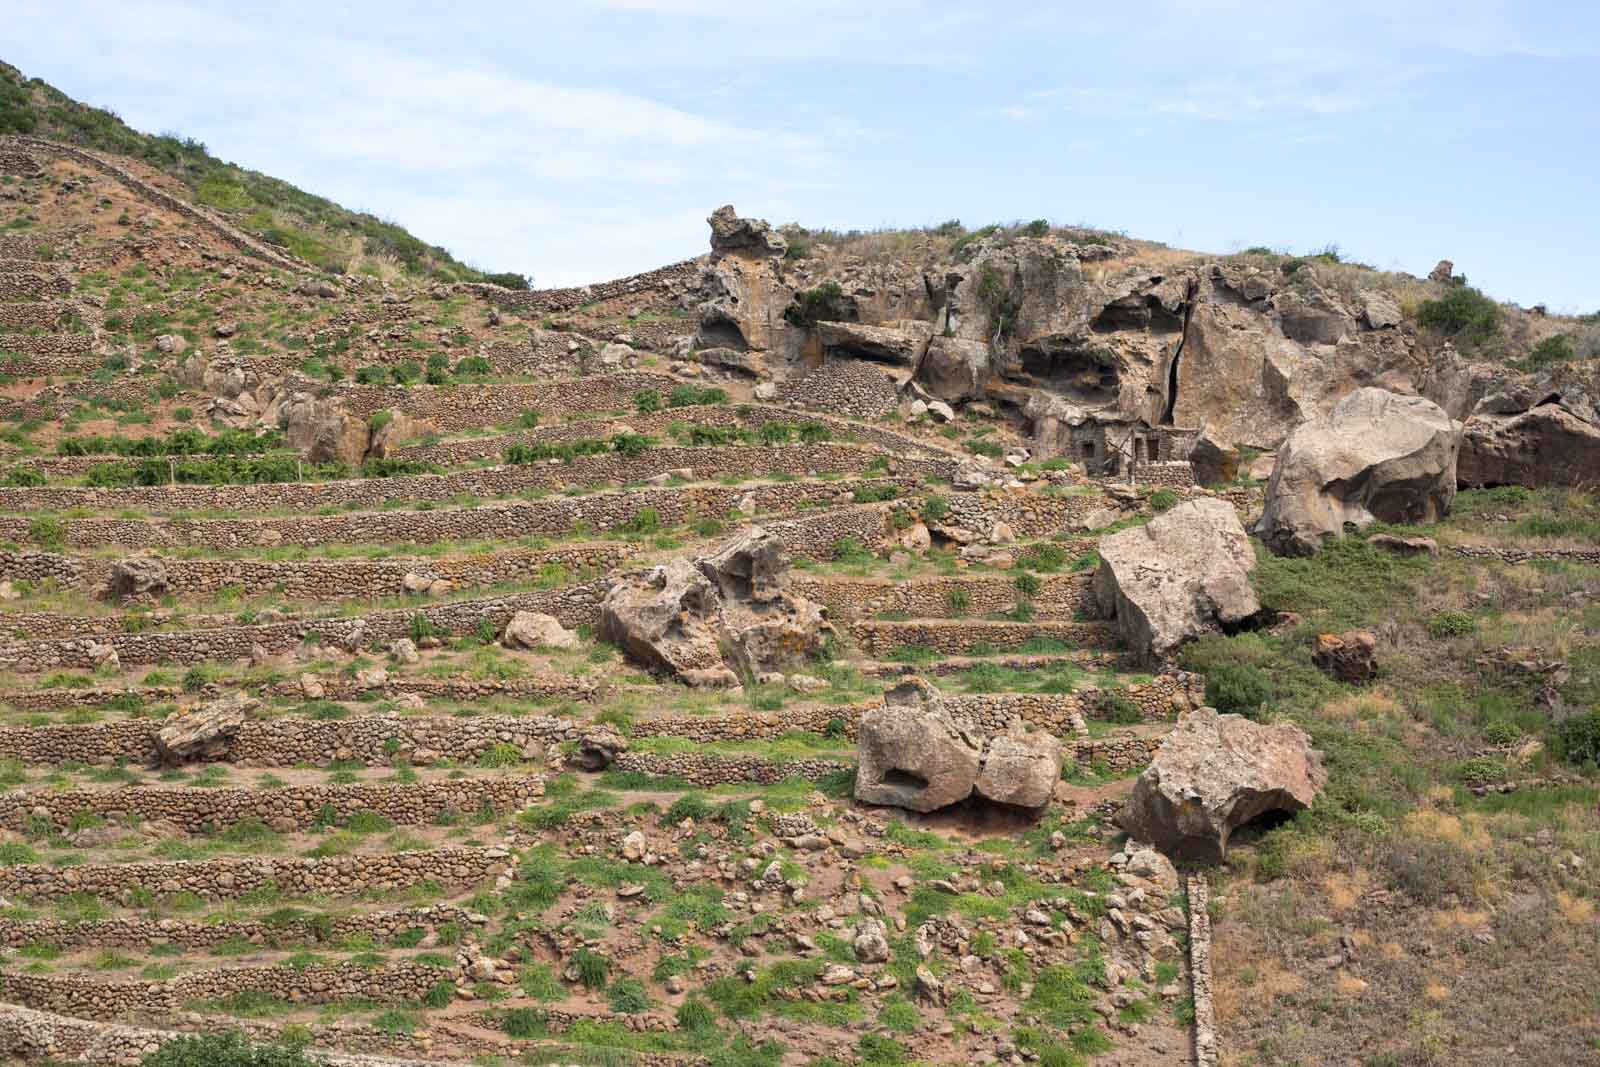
[904,779]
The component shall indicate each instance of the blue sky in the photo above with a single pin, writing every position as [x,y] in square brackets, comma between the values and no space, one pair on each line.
[583,140]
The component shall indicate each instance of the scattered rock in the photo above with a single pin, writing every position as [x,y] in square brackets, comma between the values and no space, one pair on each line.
[597,749]
[1350,657]
[137,577]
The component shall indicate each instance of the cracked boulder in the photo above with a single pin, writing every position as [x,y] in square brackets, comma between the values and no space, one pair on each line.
[203,731]
[534,630]
[1378,456]
[1183,574]
[1215,773]
[912,754]
[1541,445]
[725,616]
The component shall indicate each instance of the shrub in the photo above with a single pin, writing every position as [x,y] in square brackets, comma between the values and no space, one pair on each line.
[1112,705]
[50,533]
[1481,770]
[1548,353]
[1462,312]
[957,601]
[525,1023]
[1237,688]
[851,550]
[628,996]
[24,478]
[421,627]
[473,367]
[935,508]
[1451,624]
[696,1016]
[1577,739]
[825,302]
[223,1050]
[1027,584]
[647,401]
[631,444]
[813,433]
[592,968]
[689,806]
[873,494]
[1163,500]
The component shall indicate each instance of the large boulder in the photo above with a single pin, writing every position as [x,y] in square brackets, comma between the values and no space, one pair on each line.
[1350,657]
[1215,462]
[137,577]
[1184,573]
[724,616]
[665,618]
[203,731]
[1379,455]
[1543,445]
[1215,773]
[1020,768]
[324,431]
[912,754]
[535,629]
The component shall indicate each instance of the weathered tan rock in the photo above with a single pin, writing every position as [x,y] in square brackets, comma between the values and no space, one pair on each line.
[1405,546]
[731,234]
[598,748]
[1185,573]
[1543,445]
[1215,773]
[912,754]
[1020,768]
[535,629]
[203,731]
[664,618]
[1350,657]
[136,577]
[1215,462]
[1377,456]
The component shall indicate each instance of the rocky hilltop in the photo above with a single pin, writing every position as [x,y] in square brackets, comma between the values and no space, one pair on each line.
[1011,645]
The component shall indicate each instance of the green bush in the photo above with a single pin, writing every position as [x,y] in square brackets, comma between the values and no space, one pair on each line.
[873,494]
[592,968]
[1112,705]
[647,401]
[1463,312]
[1237,688]
[50,533]
[1451,624]
[1027,584]
[632,445]
[24,478]
[1577,739]
[935,508]
[1163,500]
[824,303]
[851,550]
[223,1050]
[628,996]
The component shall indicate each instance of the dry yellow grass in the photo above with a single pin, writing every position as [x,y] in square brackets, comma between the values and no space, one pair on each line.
[1465,832]
[1574,909]
[1436,991]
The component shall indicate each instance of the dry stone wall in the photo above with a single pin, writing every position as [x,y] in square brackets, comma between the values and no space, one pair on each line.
[461,407]
[556,516]
[328,579]
[1171,474]
[297,929]
[291,808]
[572,605]
[32,285]
[548,301]
[960,636]
[707,771]
[35,314]
[98,998]
[224,879]
[706,464]
[29,1035]
[1059,596]
[853,386]
[1528,555]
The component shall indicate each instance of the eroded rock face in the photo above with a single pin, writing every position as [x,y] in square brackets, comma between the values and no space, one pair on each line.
[136,577]
[535,629]
[731,234]
[721,617]
[913,754]
[203,731]
[598,748]
[324,431]
[1213,774]
[1379,455]
[1185,573]
[1542,445]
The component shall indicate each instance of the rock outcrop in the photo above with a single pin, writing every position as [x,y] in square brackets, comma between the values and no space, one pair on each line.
[720,618]
[1185,573]
[1545,444]
[733,235]
[1379,455]
[598,748]
[914,754]
[203,731]
[1215,773]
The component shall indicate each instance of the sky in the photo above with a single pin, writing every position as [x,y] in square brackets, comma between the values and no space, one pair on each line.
[588,139]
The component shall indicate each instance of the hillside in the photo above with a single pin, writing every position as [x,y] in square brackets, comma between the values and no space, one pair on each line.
[316,230]
[762,660]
